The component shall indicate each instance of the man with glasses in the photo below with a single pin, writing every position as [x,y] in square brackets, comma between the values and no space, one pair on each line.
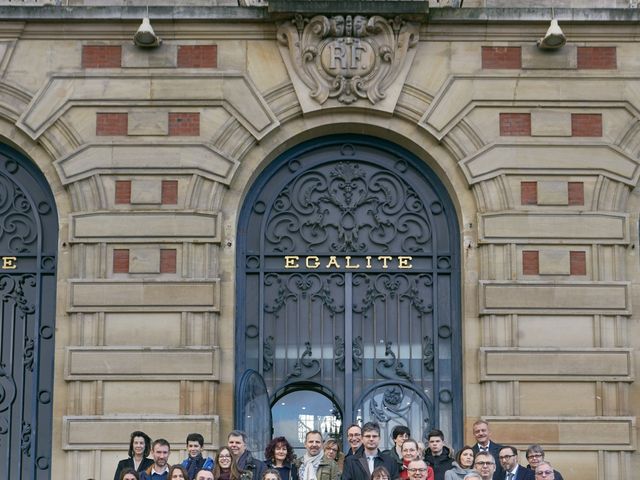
[545,471]
[485,465]
[535,456]
[361,465]
[508,457]
[354,437]
[417,470]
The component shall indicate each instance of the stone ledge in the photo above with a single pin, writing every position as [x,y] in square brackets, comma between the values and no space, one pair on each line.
[79,432]
[141,363]
[131,296]
[567,433]
[507,297]
[553,364]
[146,227]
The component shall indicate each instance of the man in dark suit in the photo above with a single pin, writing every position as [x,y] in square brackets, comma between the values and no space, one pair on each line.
[512,469]
[361,465]
[482,435]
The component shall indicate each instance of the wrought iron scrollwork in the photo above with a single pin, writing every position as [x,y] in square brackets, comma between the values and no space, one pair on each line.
[356,350]
[268,354]
[392,363]
[427,353]
[350,208]
[18,228]
[305,362]
[398,404]
[25,442]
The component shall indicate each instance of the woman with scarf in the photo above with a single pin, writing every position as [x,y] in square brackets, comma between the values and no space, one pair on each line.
[279,456]
[410,453]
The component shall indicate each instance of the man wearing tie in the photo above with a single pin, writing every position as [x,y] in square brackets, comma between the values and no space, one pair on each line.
[482,435]
[512,470]
[360,466]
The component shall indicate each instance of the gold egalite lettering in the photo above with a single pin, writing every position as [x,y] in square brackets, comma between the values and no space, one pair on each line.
[348,262]
[9,263]
[291,261]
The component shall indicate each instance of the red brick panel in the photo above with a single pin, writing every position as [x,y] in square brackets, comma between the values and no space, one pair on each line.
[120,260]
[183,124]
[586,124]
[169,192]
[578,262]
[576,193]
[530,262]
[197,56]
[597,58]
[515,124]
[501,57]
[528,193]
[111,124]
[123,191]
[101,56]
[167,260]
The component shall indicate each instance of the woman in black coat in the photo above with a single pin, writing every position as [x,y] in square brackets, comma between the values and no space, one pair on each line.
[139,448]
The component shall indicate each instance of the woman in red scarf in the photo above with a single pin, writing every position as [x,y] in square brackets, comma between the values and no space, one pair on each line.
[410,453]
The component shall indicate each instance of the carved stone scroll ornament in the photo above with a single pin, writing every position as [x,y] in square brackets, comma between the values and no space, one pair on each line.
[348,58]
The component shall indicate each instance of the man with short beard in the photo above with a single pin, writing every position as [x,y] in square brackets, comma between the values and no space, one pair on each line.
[315,465]
[160,450]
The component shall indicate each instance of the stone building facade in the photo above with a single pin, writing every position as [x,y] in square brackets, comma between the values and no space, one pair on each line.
[163,164]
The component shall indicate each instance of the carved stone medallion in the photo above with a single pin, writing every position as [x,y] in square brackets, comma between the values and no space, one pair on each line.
[348,58]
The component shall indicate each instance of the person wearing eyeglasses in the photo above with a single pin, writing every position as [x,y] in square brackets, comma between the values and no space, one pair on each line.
[508,457]
[354,438]
[544,471]
[535,455]
[418,470]
[485,465]
[410,452]
[361,466]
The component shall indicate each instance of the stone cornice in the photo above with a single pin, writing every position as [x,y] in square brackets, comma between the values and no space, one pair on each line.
[273,12]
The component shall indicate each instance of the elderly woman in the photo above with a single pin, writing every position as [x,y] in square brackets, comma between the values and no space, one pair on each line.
[139,448]
[535,456]
[278,455]
[462,466]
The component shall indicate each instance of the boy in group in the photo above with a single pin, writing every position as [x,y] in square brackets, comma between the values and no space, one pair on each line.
[438,455]
[195,461]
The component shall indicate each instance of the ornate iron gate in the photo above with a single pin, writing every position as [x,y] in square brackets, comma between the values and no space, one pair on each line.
[349,283]
[28,245]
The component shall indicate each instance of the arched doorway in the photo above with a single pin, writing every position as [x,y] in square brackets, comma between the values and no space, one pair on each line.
[348,282]
[28,246]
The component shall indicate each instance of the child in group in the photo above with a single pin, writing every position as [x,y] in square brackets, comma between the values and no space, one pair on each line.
[195,461]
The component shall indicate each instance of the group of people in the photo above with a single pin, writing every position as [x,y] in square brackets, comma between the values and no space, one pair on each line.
[408,459]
